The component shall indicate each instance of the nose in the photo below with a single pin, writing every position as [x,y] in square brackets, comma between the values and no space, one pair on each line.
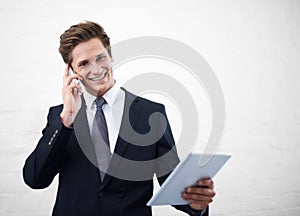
[94,68]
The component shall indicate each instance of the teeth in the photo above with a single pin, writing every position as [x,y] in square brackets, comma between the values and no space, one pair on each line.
[103,74]
[95,79]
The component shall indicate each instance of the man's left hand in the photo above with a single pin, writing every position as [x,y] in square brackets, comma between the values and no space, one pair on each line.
[200,195]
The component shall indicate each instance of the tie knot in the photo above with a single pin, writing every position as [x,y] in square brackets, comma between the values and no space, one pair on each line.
[99,102]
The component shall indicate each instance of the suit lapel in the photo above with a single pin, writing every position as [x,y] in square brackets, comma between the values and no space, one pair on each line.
[130,116]
[129,119]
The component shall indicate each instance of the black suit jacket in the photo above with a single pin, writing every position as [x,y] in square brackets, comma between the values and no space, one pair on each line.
[69,153]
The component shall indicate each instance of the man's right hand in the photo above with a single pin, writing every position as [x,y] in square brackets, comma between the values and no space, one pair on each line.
[71,98]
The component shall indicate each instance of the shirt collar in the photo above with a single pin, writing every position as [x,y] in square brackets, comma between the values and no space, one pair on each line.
[110,96]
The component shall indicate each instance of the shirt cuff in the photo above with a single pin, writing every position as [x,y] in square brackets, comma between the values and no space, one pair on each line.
[195,212]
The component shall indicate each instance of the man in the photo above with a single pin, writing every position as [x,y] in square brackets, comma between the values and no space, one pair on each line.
[88,144]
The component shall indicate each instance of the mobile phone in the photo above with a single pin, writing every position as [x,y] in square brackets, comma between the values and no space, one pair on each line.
[74,81]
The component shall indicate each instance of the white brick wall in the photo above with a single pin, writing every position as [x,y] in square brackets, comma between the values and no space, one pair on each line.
[253,47]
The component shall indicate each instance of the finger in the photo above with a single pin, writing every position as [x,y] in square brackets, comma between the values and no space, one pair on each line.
[195,204]
[201,191]
[67,77]
[75,86]
[199,196]
[206,183]
[69,89]
[67,69]
[79,89]
[66,73]
[69,80]
[196,198]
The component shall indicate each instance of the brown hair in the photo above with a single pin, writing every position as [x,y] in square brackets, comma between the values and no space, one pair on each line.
[79,33]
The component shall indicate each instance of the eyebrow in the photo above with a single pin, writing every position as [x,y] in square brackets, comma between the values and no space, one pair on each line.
[84,61]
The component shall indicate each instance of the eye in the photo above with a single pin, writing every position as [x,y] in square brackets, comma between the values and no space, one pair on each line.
[83,64]
[100,58]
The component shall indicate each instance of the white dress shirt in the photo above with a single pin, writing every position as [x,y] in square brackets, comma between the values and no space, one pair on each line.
[113,111]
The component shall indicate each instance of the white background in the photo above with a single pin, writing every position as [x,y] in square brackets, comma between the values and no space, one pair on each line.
[253,47]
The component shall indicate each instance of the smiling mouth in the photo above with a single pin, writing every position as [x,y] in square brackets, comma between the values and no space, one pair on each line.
[98,78]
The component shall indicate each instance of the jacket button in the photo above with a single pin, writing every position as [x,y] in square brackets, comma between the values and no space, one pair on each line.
[100,193]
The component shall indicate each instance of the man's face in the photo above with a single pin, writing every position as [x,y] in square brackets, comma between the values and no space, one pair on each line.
[93,63]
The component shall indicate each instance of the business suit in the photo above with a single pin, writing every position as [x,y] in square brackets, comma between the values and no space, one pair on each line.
[80,191]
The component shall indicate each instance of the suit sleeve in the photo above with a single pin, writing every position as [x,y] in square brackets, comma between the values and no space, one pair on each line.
[167,152]
[44,162]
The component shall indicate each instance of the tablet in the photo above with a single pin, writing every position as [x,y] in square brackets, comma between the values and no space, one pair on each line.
[186,174]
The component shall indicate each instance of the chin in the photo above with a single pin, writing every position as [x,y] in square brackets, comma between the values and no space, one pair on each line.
[102,90]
